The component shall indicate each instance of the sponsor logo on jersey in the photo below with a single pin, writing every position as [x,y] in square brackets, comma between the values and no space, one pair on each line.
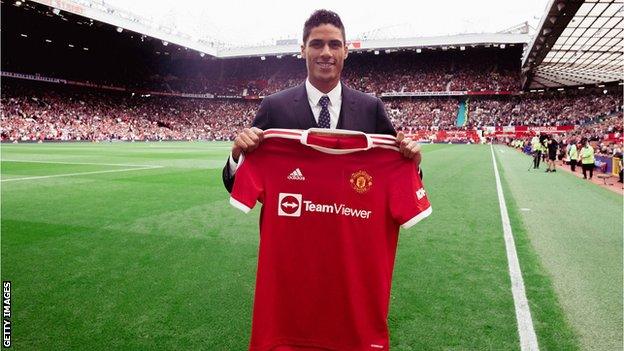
[361,181]
[420,193]
[296,175]
[291,205]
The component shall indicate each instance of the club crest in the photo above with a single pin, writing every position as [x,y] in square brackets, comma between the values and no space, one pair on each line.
[361,181]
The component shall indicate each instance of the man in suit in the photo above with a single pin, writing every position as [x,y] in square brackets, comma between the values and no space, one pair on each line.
[322,100]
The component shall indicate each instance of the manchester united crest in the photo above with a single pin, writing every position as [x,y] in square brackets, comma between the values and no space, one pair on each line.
[361,181]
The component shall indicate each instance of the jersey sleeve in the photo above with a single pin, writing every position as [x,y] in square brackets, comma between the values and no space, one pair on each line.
[248,184]
[408,199]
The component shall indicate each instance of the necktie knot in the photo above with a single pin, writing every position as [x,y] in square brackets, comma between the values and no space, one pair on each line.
[324,101]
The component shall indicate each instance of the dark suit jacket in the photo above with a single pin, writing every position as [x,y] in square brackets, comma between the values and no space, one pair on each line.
[290,109]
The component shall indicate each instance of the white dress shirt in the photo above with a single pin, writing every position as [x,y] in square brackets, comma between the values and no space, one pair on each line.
[335,102]
[314,96]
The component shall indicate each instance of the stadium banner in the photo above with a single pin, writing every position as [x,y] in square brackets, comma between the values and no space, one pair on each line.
[520,131]
[492,92]
[423,93]
[354,44]
[545,129]
[32,77]
[604,163]
[447,93]
[68,6]
[186,95]
[614,137]
[92,85]
[228,97]
[442,136]
[616,166]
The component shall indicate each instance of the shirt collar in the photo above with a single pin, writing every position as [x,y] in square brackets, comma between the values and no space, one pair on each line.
[314,95]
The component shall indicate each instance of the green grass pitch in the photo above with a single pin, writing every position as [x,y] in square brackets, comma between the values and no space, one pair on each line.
[134,246]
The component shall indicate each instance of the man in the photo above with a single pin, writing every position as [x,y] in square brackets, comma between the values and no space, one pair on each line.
[536,147]
[587,158]
[322,100]
[572,155]
[552,145]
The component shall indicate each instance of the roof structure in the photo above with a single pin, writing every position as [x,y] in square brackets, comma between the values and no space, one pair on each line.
[578,42]
[124,20]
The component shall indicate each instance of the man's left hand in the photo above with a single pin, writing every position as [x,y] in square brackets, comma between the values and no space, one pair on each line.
[409,148]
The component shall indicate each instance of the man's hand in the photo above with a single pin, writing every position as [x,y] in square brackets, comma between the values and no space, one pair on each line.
[409,148]
[246,141]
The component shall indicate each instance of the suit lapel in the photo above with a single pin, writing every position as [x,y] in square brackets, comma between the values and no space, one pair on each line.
[301,108]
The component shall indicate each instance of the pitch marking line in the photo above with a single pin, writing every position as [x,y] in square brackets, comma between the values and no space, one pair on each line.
[528,339]
[137,168]
[80,163]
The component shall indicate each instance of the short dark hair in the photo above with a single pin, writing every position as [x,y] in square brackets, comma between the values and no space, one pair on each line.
[320,17]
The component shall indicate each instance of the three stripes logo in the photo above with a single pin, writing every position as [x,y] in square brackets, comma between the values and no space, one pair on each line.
[296,175]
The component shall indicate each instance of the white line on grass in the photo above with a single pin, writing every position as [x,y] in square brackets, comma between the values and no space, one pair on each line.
[137,168]
[81,163]
[528,339]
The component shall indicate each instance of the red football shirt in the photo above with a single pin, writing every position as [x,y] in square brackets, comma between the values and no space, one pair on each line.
[332,205]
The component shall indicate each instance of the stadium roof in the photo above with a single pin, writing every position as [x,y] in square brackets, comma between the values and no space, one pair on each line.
[122,19]
[444,42]
[577,43]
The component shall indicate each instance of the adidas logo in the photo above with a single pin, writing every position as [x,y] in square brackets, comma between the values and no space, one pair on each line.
[296,175]
[420,193]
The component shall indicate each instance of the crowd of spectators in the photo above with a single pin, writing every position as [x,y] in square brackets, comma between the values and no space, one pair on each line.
[43,111]
[552,109]
[605,134]
[73,114]
[487,69]
[411,115]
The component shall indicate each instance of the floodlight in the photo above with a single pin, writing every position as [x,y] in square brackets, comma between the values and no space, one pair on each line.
[119,29]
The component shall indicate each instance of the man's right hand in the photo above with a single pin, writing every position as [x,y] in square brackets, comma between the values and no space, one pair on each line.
[246,141]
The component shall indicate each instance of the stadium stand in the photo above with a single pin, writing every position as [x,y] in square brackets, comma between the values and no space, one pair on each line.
[152,91]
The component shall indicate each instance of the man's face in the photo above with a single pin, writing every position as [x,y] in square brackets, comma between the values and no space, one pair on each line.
[325,52]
